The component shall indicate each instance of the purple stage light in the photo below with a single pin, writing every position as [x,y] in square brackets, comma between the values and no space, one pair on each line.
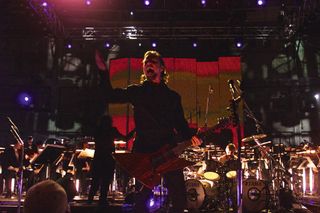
[147,2]
[239,44]
[194,44]
[24,99]
[260,2]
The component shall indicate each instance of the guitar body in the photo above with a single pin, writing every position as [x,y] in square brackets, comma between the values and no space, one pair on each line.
[148,168]
[141,166]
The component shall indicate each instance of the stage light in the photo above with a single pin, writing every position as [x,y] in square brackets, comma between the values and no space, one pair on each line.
[194,44]
[131,13]
[260,2]
[317,96]
[238,43]
[154,44]
[203,2]
[68,45]
[88,2]
[140,44]
[147,2]
[44,4]
[24,99]
[107,45]
[151,202]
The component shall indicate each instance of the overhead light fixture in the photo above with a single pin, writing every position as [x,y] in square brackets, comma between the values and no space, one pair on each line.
[194,44]
[154,44]
[88,2]
[107,44]
[44,4]
[261,2]
[147,2]
[238,43]
[25,99]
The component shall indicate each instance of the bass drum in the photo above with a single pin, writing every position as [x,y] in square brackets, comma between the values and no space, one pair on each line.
[255,195]
[195,194]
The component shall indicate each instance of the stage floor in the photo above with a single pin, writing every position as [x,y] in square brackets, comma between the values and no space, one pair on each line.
[79,205]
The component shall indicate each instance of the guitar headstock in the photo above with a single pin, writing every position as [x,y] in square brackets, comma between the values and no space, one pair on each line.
[208,134]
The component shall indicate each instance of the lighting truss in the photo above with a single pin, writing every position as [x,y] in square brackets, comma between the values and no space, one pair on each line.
[131,32]
[48,16]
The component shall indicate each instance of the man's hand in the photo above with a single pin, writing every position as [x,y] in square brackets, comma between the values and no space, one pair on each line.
[196,141]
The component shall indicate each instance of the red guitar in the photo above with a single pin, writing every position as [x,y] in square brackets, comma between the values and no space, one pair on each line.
[148,168]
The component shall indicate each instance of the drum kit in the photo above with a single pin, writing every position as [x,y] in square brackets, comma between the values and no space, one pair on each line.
[212,186]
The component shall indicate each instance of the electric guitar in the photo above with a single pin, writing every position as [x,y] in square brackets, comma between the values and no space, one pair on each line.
[147,168]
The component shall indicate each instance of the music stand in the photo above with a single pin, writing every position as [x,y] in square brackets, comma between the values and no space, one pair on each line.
[48,156]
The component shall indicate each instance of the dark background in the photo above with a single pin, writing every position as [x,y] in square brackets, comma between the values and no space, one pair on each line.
[280,58]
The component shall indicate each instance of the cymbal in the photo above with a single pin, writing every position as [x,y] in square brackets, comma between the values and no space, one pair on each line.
[307,152]
[253,137]
[87,153]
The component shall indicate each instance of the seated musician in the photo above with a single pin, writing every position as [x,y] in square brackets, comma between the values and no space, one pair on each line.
[30,151]
[10,165]
[230,154]
[82,168]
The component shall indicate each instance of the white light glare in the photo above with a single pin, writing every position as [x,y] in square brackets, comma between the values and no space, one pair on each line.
[260,2]
[239,44]
[317,96]
[147,2]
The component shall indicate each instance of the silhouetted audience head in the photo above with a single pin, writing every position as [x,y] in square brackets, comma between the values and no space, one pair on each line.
[46,196]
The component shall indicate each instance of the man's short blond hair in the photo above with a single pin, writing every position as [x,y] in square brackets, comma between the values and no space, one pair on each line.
[46,197]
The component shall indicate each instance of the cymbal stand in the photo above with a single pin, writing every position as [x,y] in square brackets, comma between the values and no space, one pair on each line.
[159,194]
[14,130]
[236,123]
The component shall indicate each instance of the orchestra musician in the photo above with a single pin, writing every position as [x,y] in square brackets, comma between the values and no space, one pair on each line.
[10,164]
[30,152]
[159,117]
[82,168]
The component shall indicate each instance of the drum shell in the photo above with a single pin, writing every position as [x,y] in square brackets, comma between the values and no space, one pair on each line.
[255,195]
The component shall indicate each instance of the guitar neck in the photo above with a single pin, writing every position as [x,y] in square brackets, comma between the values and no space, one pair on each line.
[204,136]
[177,150]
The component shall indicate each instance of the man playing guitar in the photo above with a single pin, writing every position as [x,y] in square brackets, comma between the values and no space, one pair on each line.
[159,118]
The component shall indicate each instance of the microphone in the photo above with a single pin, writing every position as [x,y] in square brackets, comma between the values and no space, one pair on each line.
[210,89]
[231,87]
[233,91]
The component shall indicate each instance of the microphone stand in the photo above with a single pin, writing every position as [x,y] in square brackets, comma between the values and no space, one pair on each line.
[207,106]
[14,130]
[236,123]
